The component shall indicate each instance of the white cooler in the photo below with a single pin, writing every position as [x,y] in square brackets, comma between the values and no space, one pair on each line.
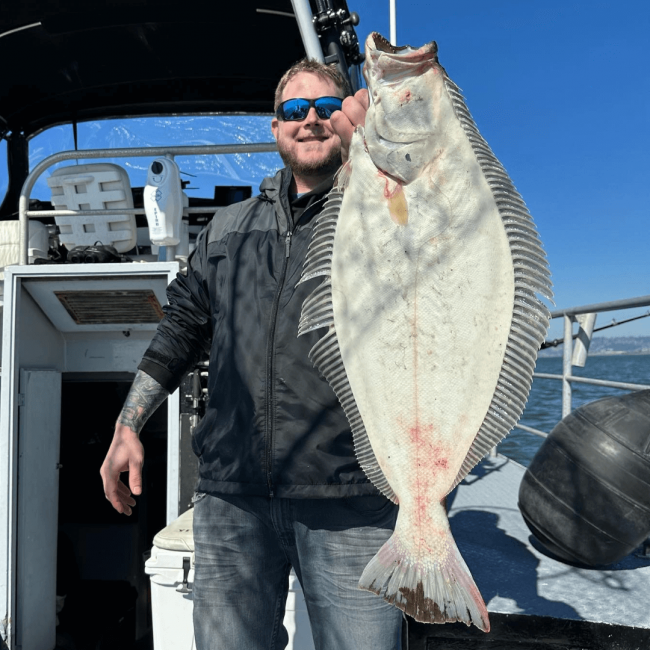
[171,567]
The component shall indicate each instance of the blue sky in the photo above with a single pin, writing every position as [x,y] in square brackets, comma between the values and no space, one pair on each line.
[561,92]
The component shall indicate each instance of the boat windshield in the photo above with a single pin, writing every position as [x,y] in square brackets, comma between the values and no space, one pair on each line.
[203,172]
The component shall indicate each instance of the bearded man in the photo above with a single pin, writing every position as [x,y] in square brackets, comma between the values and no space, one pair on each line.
[279,485]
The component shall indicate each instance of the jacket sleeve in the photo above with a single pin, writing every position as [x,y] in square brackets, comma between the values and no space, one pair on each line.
[184,334]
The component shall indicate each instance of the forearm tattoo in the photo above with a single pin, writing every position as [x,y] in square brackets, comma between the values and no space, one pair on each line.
[145,396]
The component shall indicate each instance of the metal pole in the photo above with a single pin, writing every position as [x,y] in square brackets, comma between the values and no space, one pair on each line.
[393,26]
[628,303]
[596,382]
[537,432]
[304,18]
[566,365]
[610,384]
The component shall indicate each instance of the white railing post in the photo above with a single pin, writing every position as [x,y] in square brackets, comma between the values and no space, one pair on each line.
[566,365]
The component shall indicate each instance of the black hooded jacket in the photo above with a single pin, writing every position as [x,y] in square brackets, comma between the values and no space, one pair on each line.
[273,426]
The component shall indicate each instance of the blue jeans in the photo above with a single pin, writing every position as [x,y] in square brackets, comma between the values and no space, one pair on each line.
[244,549]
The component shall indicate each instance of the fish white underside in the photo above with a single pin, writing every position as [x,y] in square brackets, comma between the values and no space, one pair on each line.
[422,311]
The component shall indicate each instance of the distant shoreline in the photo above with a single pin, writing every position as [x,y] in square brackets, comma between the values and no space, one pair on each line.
[619,353]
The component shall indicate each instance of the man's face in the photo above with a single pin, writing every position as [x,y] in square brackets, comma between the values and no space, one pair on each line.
[309,147]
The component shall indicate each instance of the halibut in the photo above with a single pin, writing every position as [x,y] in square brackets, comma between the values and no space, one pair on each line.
[432,267]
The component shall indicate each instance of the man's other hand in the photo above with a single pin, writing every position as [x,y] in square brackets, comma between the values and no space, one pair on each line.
[351,115]
[126,454]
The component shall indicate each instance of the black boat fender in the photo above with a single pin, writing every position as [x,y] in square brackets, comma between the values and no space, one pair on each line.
[586,494]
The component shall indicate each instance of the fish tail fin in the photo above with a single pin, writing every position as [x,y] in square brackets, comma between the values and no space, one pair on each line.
[442,593]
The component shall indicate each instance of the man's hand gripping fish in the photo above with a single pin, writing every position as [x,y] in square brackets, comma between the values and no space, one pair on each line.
[432,267]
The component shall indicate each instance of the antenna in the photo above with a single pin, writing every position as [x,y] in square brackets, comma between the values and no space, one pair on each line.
[332,26]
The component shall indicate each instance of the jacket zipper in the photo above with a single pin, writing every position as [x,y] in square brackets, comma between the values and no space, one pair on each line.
[270,366]
[270,391]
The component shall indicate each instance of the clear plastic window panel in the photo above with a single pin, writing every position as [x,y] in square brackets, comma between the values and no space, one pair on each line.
[202,172]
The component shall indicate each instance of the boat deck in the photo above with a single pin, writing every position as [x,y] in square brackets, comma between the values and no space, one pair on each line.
[554,604]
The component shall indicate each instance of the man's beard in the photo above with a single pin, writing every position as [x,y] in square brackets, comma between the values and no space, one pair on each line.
[313,168]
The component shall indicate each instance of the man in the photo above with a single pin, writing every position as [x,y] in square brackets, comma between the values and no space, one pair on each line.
[279,483]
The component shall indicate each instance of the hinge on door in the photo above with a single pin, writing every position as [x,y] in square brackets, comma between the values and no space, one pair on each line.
[21,399]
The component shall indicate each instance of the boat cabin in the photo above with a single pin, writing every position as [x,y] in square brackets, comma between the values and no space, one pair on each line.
[99,103]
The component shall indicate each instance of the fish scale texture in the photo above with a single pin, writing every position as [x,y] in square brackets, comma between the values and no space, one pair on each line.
[431,265]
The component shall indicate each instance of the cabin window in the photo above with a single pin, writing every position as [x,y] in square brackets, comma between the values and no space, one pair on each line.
[202,173]
[48,142]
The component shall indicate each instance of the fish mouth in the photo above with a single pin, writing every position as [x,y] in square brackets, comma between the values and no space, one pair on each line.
[383,45]
[377,44]
[388,64]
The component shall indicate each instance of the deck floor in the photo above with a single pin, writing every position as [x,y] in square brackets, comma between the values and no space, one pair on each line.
[514,577]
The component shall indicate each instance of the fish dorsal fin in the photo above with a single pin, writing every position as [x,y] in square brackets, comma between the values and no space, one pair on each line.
[530,317]
[317,312]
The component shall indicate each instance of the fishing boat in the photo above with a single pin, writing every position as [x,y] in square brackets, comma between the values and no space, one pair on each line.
[72,571]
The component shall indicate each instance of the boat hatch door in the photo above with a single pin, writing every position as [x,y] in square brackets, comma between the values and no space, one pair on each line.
[37,513]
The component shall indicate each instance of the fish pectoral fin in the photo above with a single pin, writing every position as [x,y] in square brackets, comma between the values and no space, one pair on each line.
[342,177]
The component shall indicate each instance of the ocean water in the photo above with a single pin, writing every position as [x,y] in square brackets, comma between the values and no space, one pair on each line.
[544,408]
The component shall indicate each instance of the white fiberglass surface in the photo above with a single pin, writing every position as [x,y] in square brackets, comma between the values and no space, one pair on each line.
[203,172]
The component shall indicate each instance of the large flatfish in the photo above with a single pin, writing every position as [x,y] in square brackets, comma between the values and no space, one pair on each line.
[432,268]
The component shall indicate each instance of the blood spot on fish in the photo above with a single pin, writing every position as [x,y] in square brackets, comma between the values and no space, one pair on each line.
[439,457]
[418,434]
[405,97]
[421,506]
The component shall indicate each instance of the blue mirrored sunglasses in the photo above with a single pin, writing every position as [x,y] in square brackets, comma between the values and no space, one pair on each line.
[295,110]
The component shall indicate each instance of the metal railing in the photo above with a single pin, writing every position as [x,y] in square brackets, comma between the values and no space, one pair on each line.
[25,214]
[569,315]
